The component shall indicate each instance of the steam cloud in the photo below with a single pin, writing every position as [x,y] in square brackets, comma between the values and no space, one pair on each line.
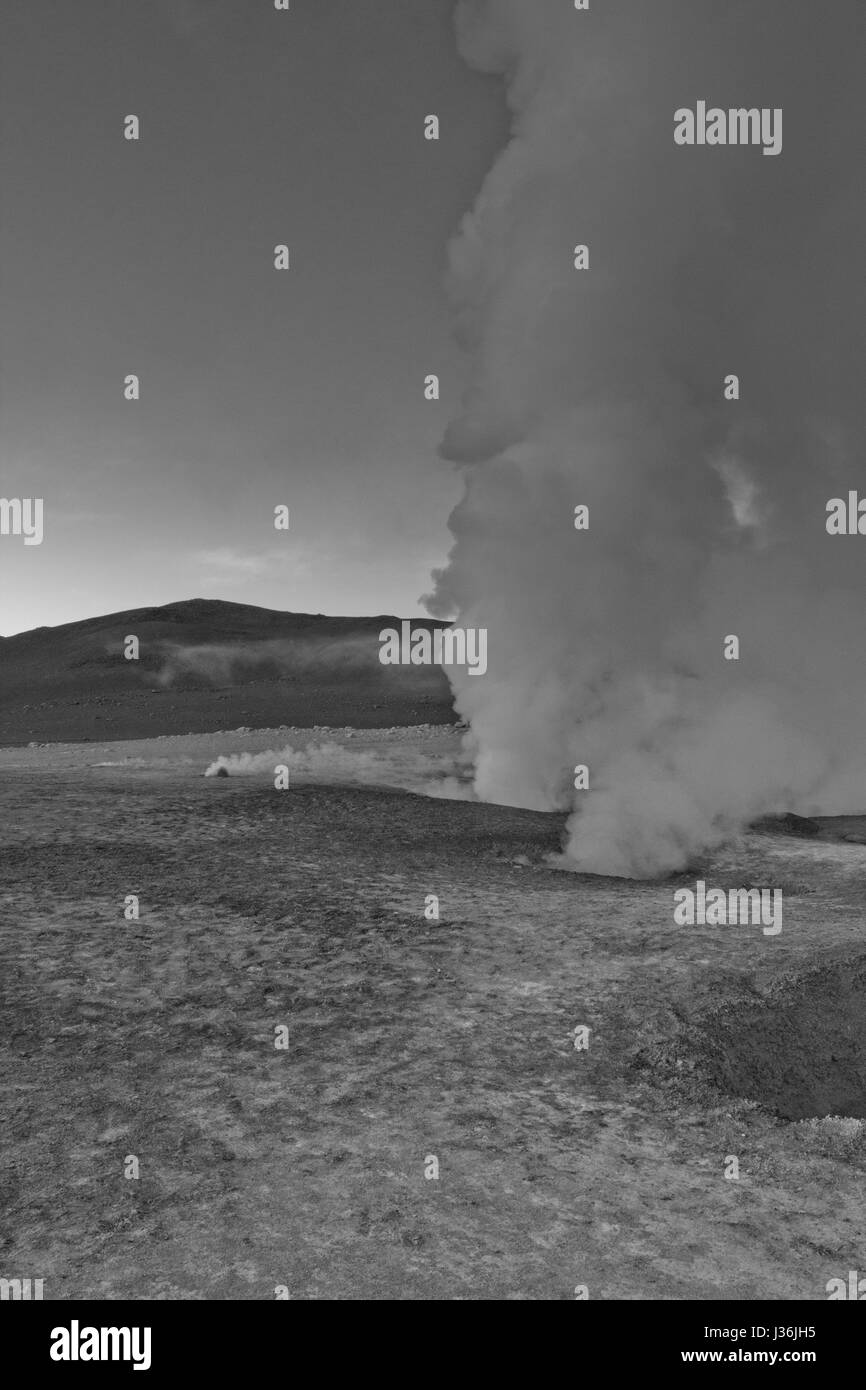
[407,768]
[604,387]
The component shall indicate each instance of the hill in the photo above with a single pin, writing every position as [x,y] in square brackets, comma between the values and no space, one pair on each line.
[205,665]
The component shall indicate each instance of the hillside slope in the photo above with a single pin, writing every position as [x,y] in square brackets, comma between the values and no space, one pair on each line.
[204,665]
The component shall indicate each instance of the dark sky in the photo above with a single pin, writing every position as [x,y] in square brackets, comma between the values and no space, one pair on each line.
[156,257]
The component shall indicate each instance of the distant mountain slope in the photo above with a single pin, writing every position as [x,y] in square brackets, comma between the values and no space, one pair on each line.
[204,665]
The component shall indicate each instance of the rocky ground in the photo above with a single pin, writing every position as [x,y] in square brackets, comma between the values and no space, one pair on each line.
[414,1046]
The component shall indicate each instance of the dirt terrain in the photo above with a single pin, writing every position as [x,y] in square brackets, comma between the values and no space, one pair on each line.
[409,1039]
[205,664]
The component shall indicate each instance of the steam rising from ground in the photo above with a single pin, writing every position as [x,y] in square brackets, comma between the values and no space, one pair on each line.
[221,663]
[416,770]
[604,387]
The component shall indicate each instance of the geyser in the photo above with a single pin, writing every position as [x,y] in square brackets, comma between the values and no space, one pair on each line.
[608,387]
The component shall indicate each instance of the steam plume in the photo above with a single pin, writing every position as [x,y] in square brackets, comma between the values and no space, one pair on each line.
[405,767]
[604,387]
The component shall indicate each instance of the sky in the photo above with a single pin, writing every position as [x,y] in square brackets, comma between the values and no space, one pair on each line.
[258,388]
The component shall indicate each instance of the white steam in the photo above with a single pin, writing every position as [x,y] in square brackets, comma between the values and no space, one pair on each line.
[407,768]
[604,387]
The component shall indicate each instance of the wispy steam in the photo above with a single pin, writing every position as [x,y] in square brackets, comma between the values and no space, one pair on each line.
[222,663]
[604,387]
[407,768]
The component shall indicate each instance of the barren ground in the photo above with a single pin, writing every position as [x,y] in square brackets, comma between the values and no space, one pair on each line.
[408,1038]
